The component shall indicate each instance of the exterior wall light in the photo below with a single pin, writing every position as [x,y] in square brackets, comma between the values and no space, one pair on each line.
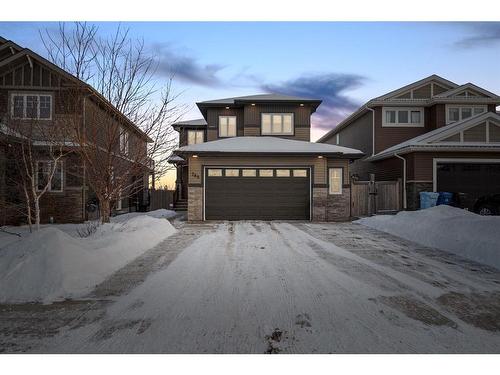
[195,156]
[227,107]
[320,156]
[301,104]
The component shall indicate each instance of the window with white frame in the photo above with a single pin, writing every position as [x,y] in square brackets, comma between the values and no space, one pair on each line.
[31,106]
[337,139]
[43,170]
[277,124]
[123,141]
[335,180]
[227,126]
[403,117]
[195,137]
[456,113]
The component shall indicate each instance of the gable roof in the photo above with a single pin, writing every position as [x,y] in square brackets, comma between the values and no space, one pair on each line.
[267,145]
[464,87]
[430,140]
[24,52]
[391,99]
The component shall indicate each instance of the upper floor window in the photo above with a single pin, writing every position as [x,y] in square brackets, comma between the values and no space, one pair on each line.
[457,113]
[403,117]
[31,106]
[123,141]
[277,124]
[227,126]
[195,136]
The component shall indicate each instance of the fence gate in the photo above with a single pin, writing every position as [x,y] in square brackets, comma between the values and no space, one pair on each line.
[160,198]
[375,197]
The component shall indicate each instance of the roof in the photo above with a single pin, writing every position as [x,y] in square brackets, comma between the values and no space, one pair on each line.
[174,159]
[430,140]
[267,145]
[200,122]
[22,52]
[259,98]
[445,97]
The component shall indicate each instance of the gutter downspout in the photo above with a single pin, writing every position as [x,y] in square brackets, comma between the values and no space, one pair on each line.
[373,128]
[404,179]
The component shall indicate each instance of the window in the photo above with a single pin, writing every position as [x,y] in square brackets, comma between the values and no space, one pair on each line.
[282,172]
[335,180]
[232,172]
[123,141]
[31,106]
[459,113]
[403,117]
[249,173]
[337,139]
[266,173]
[214,172]
[227,126]
[277,123]
[300,173]
[195,136]
[43,170]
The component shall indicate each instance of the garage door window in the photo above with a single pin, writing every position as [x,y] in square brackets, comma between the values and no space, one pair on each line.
[335,180]
[300,173]
[232,172]
[214,172]
[249,173]
[266,173]
[283,173]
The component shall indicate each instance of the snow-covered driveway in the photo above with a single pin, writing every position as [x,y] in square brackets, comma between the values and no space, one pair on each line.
[256,287]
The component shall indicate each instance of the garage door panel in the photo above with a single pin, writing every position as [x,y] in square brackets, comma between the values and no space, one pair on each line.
[257,198]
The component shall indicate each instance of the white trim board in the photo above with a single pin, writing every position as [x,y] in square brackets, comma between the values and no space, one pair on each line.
[435,162]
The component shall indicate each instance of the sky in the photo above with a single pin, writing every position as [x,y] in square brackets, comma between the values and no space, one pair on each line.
[342,63]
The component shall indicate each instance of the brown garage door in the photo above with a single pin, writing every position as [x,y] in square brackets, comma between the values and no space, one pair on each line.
[257,193]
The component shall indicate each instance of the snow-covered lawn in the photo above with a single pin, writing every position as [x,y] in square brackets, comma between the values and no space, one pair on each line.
[255,287]
[446,228]
[55,263]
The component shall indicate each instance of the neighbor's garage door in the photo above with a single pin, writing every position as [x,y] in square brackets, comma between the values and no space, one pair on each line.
[257,193]
[472,179]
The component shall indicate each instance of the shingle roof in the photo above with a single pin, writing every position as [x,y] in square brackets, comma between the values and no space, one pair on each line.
[196,122]
[260,98]
[268,145]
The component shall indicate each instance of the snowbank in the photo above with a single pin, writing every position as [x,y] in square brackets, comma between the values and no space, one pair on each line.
[51,265]
[447,228]
[159,214]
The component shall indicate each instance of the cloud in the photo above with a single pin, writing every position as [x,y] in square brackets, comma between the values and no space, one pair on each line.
[482,34]
[331,88]
[187,68]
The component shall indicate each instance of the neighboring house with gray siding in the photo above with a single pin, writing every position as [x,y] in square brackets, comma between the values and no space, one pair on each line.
[434,134]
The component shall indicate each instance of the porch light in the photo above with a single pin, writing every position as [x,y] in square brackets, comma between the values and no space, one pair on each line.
[301,104]
[320,156]
[195,156]
[227,107]
[253,104]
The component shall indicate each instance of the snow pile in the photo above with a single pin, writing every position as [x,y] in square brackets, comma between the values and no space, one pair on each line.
[159,214]
[51,265]
[446,228]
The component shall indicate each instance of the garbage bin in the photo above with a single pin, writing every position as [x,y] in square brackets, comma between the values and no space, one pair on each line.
[445,198]
[428,199]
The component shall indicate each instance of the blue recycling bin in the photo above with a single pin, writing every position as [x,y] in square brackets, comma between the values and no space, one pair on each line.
[445,198]
[428,199]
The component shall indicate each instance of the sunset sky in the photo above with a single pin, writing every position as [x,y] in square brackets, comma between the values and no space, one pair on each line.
[344,64]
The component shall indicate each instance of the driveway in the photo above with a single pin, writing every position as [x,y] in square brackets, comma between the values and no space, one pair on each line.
[259,287]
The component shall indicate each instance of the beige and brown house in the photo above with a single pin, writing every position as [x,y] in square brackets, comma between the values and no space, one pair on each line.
[251,158]
[434,134]
[32,89]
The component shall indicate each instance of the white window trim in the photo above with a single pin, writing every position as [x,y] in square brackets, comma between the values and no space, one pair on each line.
[280,114]
[197,132]
[235,127]
[24,95]
[49,189]
[421,124]
[448,106]
[330,170]
[436,161]
[337,140]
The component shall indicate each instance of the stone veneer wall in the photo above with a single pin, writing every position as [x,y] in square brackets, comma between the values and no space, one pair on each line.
[338,206]
[319,200]
[412,193]
[195,203]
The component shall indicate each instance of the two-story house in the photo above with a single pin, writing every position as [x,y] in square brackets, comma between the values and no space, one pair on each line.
[434,134]
[251,157]
[35,91]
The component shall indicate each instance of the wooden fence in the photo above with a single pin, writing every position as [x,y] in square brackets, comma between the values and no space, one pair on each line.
[161,198]
[375,197]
